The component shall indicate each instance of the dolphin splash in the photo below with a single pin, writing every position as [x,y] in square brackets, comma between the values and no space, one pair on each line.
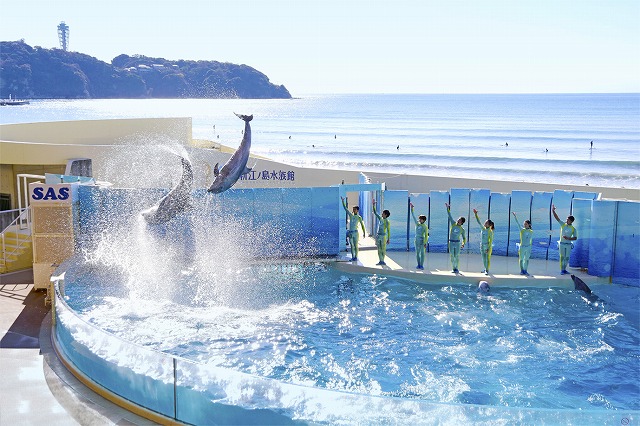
[175,202]
[237,164]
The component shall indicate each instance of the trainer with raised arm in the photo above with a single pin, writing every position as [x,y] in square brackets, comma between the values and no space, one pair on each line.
[486,241]
[457,238]
[422,236]
[524,247]
[568,234]
[352,233]
[384,233]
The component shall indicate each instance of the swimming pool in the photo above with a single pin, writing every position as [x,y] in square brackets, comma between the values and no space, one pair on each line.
[411,347]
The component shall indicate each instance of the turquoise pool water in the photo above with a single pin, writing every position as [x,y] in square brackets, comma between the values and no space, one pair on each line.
[309,324]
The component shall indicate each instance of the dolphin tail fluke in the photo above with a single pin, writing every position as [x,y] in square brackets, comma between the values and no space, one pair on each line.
[246,118]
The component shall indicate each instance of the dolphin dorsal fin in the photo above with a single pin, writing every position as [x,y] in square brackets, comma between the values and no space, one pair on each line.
[216,171]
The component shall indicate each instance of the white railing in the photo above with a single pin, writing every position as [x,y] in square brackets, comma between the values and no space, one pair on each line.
[23,235]
[23,198]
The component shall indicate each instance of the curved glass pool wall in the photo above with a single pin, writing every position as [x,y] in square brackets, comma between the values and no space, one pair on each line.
[197,393]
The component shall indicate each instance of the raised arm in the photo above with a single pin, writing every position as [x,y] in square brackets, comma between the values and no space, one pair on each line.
[475,212]
[344,206]
[413,215]
[375,212]
[449,212]
[553,210]
[516,219]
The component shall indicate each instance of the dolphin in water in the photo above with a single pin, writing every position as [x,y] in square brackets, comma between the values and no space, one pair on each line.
[483,287]
[580,285]
[237,164]
[175,202]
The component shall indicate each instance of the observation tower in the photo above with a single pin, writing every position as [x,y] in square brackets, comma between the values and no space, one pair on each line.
[63,36]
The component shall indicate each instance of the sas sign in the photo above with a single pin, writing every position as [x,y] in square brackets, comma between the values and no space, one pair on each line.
[41,193]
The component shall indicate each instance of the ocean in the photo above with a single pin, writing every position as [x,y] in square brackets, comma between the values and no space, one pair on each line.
[533,138]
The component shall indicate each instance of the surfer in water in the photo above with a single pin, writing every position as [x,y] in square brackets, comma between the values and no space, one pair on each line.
[457,238]
[352,233]
[422,236]
[568,234]
[384,233]
[486,241]
[525,244]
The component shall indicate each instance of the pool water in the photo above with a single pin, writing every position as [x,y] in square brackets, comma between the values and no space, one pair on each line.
[310,324]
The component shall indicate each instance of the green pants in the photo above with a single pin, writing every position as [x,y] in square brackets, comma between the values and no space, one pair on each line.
[524,252]
[420,251]
[485,249]
[454,249]
[354,237]
[565,253]
[381,243]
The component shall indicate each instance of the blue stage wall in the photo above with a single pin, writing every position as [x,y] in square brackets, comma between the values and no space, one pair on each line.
[313,219]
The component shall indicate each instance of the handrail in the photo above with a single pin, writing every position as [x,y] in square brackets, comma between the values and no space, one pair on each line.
[23,192]
[19,236]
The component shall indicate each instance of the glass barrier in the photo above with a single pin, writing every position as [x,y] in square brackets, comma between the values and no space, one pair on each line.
[500,208]
[521,205]
[627,255]
[397,202]
[479,200]
[601,238]
[541,224]
[438,222]
[420,207]
[140,375]
[581,210]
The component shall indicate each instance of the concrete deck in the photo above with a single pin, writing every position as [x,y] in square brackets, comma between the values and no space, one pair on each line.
[36,389]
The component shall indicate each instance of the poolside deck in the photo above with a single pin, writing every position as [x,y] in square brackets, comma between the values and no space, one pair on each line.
[35,389]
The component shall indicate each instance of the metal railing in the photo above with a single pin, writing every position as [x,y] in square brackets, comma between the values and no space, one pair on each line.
[22,235]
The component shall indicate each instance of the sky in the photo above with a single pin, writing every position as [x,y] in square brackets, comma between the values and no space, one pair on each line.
[354,46]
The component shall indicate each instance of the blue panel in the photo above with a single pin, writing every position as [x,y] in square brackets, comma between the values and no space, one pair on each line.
[267,214]
[601,240]
[562,201]
[479,200]
[582,212]
[541,224]
[438,222]
[365,199]
[626,268]
[397,203]
[295,235]
[326,219]
[521,205]
[460,207]
[421,206]
[499,208]
[585,195]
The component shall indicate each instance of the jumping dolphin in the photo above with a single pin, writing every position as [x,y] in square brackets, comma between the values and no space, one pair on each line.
[580,285]
[483,287]
[237,164]
[175,202]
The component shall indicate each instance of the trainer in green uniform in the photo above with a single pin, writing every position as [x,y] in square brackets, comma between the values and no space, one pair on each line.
[486,234]
[457,239]
[524,246]
[384,233]
[567,234]
[352,233]
[422,237]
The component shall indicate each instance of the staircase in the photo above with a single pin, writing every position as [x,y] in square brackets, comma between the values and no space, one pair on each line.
[16,244]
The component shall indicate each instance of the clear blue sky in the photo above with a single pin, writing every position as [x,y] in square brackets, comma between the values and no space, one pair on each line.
[353,46]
